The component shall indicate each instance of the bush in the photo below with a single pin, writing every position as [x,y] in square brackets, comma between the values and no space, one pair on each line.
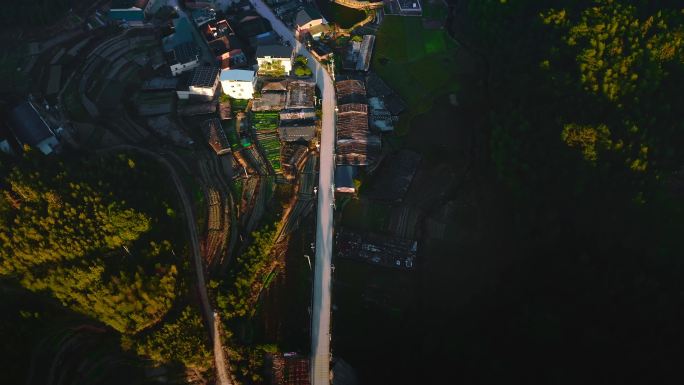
[303,71]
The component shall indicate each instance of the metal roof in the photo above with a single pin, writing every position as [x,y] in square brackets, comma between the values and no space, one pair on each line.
[28,126]
[237,75]
[294,133]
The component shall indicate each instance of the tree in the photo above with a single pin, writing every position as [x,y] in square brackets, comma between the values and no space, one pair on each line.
[247,278]
[301,60]
[64,232]
[302,71]
[183,340]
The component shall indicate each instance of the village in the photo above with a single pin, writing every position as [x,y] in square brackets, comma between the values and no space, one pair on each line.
[212,83]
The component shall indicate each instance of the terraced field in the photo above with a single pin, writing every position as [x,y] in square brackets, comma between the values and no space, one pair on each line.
[265,126]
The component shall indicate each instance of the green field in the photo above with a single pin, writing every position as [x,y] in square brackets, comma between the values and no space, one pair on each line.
[265,121]
[265,124]
[407,55]
[270,145]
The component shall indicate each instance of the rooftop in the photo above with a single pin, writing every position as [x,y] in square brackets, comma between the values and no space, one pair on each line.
[237,75]
[274,87]
[306,15]
[274,51]
[204,77]
[186,52]
[127,4]
[318,28]
[304,131]
[28,126]
[300,94]
[216,137]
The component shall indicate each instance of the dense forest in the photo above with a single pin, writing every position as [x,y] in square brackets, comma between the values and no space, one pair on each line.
[578,117]
[584,116]
[98,235]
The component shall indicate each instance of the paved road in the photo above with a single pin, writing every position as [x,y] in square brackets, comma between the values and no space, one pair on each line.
[220,360]
[320,323]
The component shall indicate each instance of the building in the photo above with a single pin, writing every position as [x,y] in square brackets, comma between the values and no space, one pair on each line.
[307,18]
[297,131]
[202,85]
[202,16]
[225,52]
[410,7]
[300,94]
[286,7]
[186,57]
[359,54]
[215,30]
[344,179]
[269,56]
[288,369]
[309,21]
[238,84]
[215,136]
[273,97]
[30,129]
[129,11]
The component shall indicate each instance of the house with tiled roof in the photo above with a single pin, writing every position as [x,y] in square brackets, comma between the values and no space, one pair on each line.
[310,21]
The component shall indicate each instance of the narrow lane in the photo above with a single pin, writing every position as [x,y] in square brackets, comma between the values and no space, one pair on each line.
[320,322]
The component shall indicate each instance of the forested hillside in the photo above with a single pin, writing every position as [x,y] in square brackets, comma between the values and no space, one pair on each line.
[99,234]
[585,113]
[571,268]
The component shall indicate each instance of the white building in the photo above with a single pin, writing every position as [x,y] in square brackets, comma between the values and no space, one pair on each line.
[202,85]
[186,57]
[238,84]
[270,55]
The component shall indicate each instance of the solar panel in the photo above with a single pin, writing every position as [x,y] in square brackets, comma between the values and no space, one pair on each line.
[204,77]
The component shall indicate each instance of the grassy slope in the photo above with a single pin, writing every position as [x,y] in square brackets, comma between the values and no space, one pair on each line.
[407,55]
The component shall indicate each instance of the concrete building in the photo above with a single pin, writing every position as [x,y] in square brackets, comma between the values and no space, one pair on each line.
[202,85]
[186,57]
[29,128]
[273,55]
[238,84]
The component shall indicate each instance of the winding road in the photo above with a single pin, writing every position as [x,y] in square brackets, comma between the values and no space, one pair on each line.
[223,377]
[321,316]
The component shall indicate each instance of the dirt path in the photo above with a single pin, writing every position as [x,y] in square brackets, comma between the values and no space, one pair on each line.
[221,362]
